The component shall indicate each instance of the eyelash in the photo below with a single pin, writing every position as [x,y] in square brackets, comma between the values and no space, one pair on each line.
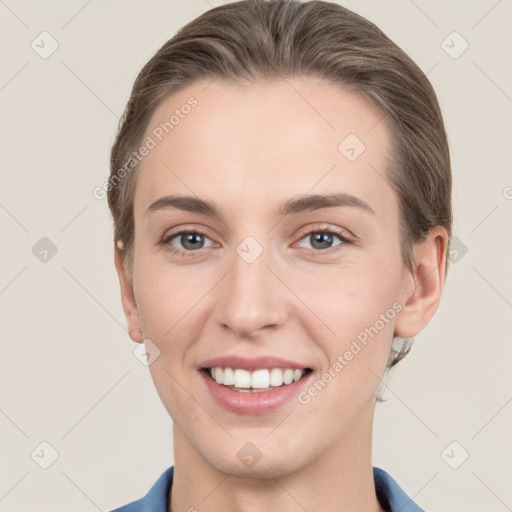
[331,231]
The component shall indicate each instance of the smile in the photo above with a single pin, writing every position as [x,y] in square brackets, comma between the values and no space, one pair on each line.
[242,380]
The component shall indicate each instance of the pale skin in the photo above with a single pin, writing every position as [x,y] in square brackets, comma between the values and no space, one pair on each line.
[248,150]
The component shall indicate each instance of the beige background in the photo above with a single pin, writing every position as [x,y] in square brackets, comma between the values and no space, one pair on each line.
[68,373]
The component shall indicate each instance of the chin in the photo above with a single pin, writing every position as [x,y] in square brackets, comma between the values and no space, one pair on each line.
[250,462]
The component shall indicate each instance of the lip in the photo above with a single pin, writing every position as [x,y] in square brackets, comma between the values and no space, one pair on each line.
[257,403]
[252,364]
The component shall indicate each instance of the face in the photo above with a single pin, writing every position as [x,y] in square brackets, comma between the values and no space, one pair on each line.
[265,269]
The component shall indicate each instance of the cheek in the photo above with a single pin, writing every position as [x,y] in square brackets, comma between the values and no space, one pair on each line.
[171,303]
[354,321]
[349,298]
[362,316]
[342,301]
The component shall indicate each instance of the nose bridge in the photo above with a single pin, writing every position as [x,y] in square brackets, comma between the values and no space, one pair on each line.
[252,296]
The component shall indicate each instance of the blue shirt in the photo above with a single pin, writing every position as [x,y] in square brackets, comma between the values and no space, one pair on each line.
[389,493]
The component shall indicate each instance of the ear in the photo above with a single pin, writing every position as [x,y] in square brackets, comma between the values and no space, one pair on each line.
[423,285]
[127,296]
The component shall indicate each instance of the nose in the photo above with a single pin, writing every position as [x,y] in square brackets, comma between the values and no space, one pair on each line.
[252,297]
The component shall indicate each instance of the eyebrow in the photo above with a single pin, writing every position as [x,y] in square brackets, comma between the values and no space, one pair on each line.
[292,206]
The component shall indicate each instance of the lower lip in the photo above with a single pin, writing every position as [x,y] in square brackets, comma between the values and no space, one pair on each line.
[260,402]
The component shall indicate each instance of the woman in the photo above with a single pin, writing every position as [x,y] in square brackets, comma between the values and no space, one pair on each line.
[281,193]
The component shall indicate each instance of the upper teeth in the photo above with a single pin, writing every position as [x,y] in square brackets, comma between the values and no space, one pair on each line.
[260,379]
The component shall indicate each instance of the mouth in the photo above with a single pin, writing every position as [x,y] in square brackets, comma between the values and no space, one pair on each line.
[257,381]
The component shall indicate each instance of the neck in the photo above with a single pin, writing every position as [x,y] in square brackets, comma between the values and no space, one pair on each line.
[339,480]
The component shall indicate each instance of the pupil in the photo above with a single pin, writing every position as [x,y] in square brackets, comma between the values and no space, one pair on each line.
[322,238]
[192,238]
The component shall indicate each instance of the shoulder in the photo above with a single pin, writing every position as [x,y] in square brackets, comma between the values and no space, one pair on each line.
[390,494]
[156,500]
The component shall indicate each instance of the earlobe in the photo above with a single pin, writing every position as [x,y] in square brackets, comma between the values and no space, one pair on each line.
[423,285]
[127,296]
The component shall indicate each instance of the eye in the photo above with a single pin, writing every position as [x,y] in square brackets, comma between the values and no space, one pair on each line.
[193,240]
[322,239]
[190,241]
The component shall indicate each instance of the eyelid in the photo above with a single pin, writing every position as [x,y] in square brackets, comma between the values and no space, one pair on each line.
[321,227]
[183,228]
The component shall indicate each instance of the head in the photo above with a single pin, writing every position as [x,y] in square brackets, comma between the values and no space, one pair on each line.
[253,107]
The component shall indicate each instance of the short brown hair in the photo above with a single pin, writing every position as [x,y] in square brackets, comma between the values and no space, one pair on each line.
[254,40]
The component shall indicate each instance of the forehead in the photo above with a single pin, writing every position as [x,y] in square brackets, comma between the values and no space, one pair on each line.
[222,141]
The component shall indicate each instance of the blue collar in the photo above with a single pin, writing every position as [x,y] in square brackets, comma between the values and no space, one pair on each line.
[389,493]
